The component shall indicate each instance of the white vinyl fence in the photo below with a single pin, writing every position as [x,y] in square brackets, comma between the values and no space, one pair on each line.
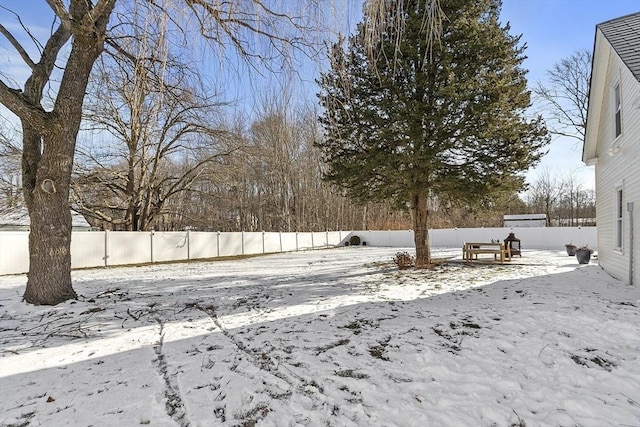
[531,237]
[109,248]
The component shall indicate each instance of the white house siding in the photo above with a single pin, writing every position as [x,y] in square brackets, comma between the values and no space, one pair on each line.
[617,166]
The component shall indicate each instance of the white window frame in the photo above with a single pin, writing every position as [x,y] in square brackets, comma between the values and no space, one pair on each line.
[618,218]
[616,109]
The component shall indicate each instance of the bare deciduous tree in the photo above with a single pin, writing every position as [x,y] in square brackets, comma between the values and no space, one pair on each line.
[566,93]
[164,125]
[545,193]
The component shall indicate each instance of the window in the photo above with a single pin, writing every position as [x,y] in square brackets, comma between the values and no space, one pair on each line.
[618,219]
[617,109]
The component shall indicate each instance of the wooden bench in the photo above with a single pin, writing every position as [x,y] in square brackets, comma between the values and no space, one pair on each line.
[471,250]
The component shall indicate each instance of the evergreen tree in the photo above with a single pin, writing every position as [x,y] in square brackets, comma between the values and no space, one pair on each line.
[441,121]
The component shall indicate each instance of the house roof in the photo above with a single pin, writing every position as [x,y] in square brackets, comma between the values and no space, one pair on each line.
[19,217]
[621,35]
[624,36]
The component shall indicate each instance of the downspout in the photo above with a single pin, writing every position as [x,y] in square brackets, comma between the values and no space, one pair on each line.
[630,210]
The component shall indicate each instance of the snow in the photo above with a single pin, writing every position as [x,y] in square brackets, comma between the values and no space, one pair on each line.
[336,337]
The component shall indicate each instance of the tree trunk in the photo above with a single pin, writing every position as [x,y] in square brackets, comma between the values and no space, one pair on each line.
[420,216]
[49,280]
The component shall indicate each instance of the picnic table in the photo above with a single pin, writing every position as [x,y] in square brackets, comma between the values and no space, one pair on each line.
[471,250]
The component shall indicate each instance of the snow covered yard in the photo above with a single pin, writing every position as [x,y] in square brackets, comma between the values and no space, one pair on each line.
[335,337]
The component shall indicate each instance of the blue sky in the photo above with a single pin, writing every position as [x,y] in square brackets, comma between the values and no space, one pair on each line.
[552,30]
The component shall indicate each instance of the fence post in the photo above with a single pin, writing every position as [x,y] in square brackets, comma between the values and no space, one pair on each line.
[313,245]
[218,244]
[151,240]
[262,241]
[280,236]
[297,242]
[242,241]
[188,244]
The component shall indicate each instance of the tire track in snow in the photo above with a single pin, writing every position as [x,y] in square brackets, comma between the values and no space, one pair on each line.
[174,404]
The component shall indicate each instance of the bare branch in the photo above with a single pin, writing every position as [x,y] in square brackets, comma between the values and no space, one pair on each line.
[566,93]
[61,12]
[18,47]
[26,105]
[378,14]
[16,102]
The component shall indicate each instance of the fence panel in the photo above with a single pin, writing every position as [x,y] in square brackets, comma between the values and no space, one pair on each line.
[388,238]
[447,238]
[88,249]
[230,243]
[401,238]
[336,238]
[305,241]
[252,243]
[466,235]
[272,242]
[370,238]
[170,246]
[203,245]
[319,239]
[289,242]
[14,252]
[555,237]
[128,247]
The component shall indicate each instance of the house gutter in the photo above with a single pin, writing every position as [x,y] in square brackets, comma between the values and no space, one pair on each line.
[630,210]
